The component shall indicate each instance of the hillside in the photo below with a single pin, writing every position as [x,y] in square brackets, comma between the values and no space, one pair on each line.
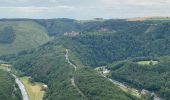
[49,65]
[99,48]
[16,36]
[140,19]
[99,43]
[8,90]
[152,77]
[146,39]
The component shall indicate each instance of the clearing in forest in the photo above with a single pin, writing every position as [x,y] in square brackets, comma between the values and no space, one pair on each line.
[150,62]
[34,91]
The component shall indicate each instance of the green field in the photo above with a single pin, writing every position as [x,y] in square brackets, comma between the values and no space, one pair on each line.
[3,66]
[34,91]
[28,34]
[147,62]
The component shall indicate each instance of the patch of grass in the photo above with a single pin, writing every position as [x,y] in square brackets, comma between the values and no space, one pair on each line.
[147,62]
[34,90]
[4,66]
[1,68]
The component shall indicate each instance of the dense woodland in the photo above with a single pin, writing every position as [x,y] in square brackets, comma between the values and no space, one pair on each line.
[154,78]
[8,90]
[95,87]
[48,65]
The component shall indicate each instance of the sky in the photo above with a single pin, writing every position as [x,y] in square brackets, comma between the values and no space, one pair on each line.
[83,9]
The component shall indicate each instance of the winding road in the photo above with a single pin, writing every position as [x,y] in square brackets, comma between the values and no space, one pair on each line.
[72,79]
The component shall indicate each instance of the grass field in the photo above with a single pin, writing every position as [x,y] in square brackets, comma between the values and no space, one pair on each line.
[1,67]
[147,62]
[4,66]
[29,34]
[34,91]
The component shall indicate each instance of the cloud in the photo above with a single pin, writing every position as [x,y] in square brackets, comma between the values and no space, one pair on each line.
[83,9]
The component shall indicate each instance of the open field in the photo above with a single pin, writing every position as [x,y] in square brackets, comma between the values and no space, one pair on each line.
[34,91]
[147,62]
[137,19]
[4,66]
[28,34]
[1,67]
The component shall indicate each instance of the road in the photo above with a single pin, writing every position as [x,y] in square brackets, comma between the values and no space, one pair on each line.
[72,79]
[18,82]
[22,88]
[134,91]
[129,89]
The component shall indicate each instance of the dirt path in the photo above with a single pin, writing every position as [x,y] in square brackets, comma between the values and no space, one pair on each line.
[68,60]
[72,79]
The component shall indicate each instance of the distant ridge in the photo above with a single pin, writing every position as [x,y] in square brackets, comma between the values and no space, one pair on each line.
[148,18]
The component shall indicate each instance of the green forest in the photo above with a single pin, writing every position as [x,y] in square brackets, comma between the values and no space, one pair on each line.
[117,44]
[8,90]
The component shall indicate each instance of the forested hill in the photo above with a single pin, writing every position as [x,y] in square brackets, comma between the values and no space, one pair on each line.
[48,64]
[23,34]
[93,44]
[99,48]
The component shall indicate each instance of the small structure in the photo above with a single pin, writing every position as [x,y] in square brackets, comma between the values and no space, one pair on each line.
[144,92]
[105,71]
[44,87]
[71,34]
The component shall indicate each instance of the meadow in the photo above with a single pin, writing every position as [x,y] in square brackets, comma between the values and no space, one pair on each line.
[34,91]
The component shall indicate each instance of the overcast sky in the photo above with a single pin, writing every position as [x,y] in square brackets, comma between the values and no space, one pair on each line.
[83,9]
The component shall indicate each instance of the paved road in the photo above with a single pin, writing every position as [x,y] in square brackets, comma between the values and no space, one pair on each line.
[22,88]
[133,90]
[19,83]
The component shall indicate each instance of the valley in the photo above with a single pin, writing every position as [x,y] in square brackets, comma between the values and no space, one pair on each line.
[65,55]
[19,87]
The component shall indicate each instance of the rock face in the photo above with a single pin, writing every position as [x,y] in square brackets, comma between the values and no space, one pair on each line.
[71,34]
